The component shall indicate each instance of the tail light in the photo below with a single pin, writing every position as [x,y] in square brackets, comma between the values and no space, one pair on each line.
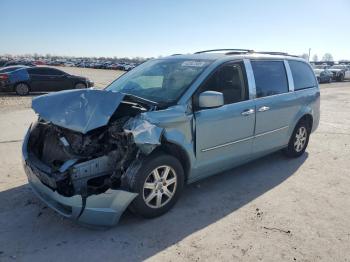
[4,76]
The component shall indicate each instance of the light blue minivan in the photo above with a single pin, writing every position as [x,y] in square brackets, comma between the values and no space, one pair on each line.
[168,122]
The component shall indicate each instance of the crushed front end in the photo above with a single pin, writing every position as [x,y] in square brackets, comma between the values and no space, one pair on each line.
[79,171]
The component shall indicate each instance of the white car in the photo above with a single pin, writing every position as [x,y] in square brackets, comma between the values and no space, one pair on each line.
[69,64]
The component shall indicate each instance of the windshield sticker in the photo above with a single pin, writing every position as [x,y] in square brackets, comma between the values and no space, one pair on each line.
[194,63]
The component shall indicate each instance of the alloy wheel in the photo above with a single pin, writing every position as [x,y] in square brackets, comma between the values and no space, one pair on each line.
[300,139]
[22,89]
[160,186]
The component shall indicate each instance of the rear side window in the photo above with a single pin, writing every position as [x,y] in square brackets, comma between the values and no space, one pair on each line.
[44,71]
[270,78]
[303,76]
[52,71]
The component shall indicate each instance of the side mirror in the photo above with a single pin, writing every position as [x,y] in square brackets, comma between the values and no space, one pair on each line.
[210,99]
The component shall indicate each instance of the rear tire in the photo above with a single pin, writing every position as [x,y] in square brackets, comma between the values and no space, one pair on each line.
[341,78]
[158,182]
[299,140]
[22,89]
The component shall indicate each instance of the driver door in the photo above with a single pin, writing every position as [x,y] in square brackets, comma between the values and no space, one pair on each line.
[224,134]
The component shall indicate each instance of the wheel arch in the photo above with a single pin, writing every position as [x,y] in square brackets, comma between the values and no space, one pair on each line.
[178,152]
[80,82]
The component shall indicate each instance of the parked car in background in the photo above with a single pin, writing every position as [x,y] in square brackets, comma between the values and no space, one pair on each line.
[323,75]
[340,72]
[2,63]
[18,62]
[69,64]
[23,80]
[168,122]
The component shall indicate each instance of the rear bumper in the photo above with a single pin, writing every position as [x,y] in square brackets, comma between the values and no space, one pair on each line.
[6,87]
[102,210]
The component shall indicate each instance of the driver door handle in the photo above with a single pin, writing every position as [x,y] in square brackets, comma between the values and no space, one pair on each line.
[263,108]
[248,112]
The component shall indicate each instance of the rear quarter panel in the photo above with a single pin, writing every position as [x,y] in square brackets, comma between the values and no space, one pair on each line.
[308,101]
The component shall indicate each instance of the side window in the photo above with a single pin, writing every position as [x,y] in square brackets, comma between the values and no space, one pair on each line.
[44,71]
[303,76]
[54,72]
[36,71]
[270,78]
[229,79]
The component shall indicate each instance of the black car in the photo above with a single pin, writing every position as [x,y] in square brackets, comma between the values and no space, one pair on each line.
[23,80]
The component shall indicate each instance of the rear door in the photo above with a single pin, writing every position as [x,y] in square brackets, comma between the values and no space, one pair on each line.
[47,79]
[275,105]
[58,80]
[224,134]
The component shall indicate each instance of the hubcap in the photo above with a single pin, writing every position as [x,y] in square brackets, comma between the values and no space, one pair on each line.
[300,139]
[160,186]
[22,89]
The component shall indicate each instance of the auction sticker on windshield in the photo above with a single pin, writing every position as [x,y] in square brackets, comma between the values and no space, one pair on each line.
[194,63]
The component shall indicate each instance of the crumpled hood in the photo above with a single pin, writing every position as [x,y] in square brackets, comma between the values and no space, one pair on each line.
[80,110]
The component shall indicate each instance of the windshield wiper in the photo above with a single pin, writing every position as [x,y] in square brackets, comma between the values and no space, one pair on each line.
[141,100]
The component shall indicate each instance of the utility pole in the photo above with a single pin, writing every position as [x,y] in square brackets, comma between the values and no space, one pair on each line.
[309,54]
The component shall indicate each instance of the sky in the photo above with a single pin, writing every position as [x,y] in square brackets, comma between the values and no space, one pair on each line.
[152,28]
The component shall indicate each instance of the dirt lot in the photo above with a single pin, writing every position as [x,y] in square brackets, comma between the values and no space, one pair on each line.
[273,209]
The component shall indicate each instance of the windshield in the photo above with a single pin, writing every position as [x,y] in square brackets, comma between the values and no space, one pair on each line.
[161,80]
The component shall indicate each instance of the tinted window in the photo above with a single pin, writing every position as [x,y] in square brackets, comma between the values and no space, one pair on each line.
[303,76]
[37,71]
[229,80]
[44,71]
[270,78]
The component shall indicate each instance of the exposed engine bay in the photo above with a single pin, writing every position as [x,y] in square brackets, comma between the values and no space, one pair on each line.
[91,163]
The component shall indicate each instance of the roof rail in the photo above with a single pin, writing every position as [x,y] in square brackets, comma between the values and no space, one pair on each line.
[275,53]
[232,51]
[226,49]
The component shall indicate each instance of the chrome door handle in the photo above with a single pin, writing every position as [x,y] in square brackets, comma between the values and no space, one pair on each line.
[248,112]
[263,109]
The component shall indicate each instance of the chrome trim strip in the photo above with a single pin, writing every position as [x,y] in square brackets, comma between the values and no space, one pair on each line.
[227,144]
[244,139]
[250,78]
[272,131]
[289,76]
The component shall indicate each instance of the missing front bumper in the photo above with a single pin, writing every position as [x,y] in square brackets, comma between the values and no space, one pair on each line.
[104,209]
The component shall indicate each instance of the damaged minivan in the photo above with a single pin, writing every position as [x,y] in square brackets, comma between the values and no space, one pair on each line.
[169,122]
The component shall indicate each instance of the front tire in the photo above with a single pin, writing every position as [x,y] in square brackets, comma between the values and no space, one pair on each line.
[299,140]
[159,183]
[22,89]
[80,86]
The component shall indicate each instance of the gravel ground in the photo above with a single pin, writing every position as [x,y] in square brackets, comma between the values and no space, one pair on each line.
[273,209]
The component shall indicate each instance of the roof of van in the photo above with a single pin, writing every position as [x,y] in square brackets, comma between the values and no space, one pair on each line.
[226,54]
